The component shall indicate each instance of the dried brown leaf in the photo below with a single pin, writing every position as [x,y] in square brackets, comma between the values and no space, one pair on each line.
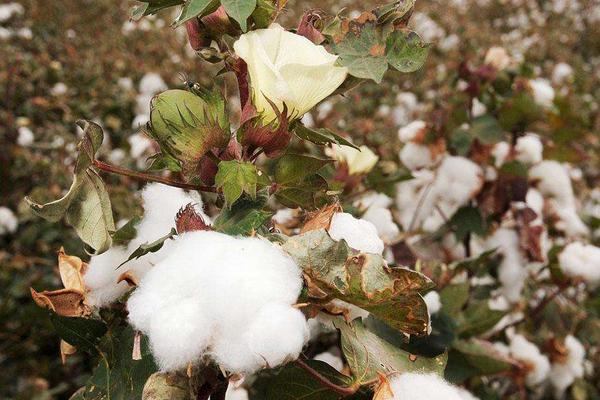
[321,219]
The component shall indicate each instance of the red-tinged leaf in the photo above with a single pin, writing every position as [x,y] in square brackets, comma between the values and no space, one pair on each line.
[188,220]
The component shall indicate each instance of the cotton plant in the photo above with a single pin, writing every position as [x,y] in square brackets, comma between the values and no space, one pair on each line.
[244,237]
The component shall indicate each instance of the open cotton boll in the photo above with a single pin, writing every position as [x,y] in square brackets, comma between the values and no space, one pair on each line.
[537,364]
[432,299]
[581,260]
[553,181]
[361,235]
[543,93]
[512,271]
[408,195]
[25,137]
[561,73]
[8,221]
[161,204]
[415,386]
[152,83]
[529,149]
[478,108]
[383,221]
[500,152]
[373,199]
[236,295]
[535,201]
[411,131]
[563,374]
[415,156]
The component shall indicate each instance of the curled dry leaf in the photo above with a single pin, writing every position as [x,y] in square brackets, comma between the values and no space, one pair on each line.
[65,302]
[129,277]
[71,270]
[321,219]
[384,390]
[66,350]
[188,220]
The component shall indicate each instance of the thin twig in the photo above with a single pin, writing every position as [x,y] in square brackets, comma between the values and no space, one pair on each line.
[113,169]
[344,391]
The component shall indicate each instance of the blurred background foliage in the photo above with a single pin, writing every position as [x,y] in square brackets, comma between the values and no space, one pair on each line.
[66,60]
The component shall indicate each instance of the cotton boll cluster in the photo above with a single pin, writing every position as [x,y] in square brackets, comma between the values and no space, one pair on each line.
[161,204]
[543,93]
[434,304]
[415,386]
[8,221]
[414,155]
[360,235]
[583,261]
[565,371]
[429,199]
[7,11]
[230,299]
[359,161]
[377,212]
[529,149]
[554,183]
[537,365]
[512,271]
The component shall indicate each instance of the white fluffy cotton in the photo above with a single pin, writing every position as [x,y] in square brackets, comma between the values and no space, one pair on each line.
[7,11]
[434,304]
[414,386]
[8,221]
[384,223]
[563,374]
[152,83]
[542,91]
[415,156]
[161,204]
[529,149]
[25,137]
[512,271]
[561,73]
[537,364]
[361,235]
[500,152]
[409,132]
[581,260]
[223,297]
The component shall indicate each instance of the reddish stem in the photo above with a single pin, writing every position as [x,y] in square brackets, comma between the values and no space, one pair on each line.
[344,391]
[113,169]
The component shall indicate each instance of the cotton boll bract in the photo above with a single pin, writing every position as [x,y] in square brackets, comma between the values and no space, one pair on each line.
[581,260]
[242,290]
[361,235]
[415,386]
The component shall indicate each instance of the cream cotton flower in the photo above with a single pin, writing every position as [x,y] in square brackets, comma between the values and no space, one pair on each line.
[359,161]
[287,68]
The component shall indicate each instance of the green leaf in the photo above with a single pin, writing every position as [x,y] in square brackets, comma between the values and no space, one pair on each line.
[244,217]
[365,280]
[86,206]
[405,51]
[127,232]
[294,383]
[392,12]
[475,357]
[321,136]
[487,129]
[295,168]
[479,318]
[236,177]
[362,51]
[83,333]
[151,7]
[119,376]
[151,247]
[367,354]
[454,297]
[308,194]
[264,14]
[383,182]
[239,10]
[187,126]
[196,8]
[467,220]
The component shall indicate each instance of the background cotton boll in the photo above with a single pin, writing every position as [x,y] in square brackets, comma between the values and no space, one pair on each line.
[151,84]
[361,235]
[500,152]
[384,223]
[561,73]
[374,199]
[139,145]
[414,386]
[498,58]
[553,180]
[410,131]
[278,334]
[8,221]
[538,364]
[581,260]
[529,149]
[7,11]
[535,201]
[179,334]
[25,137]
[563,374]
[415,156]
[511,272]
[432,299]
[543,93]
[478,108]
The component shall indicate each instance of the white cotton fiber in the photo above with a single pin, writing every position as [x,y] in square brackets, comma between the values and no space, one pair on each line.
[236,297]
[500,152]
[415,156]
[152,83]
[432,299]
[563,374]
[512,271]
[537,364]
[529,149]
[8,221]
[383,221]
[410,132]
[373,199]
[414,386]
[361,235]
[543,93]
[161,204]
[581,260]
